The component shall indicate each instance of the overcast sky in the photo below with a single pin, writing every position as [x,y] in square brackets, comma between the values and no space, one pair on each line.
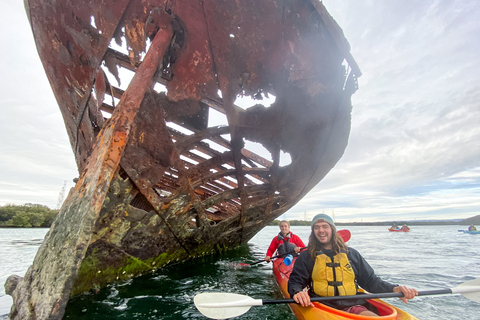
[35,154]
[414,147]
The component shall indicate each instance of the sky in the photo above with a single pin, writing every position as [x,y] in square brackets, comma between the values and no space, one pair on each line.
[414,146]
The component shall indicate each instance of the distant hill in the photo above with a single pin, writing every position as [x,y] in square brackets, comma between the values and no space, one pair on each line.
[472,220]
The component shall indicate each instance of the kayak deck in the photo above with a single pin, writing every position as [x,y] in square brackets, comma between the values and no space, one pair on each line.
[323,312]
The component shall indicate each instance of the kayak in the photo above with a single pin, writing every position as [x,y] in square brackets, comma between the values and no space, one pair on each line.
[323,312]
[470,232]
[398,230]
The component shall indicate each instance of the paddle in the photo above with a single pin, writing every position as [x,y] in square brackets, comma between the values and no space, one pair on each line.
[221,305]
[345,234]
[272,258]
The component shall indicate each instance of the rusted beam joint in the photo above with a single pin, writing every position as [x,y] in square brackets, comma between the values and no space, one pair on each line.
[116,132]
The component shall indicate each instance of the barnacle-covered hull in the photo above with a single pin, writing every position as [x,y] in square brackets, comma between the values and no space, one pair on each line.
[160,181]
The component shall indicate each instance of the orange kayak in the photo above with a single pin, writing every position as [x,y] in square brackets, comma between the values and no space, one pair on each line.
[323,312]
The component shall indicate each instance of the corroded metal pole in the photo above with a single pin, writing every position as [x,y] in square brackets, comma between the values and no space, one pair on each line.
[44,291]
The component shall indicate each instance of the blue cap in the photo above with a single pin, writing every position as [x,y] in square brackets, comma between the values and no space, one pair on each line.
[321,217]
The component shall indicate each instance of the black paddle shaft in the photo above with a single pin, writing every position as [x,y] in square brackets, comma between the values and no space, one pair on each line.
[277,256]
[362,296]
[257,262]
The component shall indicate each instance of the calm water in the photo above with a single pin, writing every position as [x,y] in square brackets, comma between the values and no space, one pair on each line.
[427,258]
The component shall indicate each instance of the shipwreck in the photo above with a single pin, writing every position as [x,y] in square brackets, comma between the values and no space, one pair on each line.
[172,164]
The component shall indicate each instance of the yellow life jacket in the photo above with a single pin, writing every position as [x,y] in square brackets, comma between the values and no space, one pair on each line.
[328,275]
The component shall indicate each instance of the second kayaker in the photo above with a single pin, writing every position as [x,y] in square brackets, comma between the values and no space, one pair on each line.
[329,268]
[284,242]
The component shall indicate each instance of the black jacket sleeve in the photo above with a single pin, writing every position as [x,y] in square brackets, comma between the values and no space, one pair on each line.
[301,273]
[365,276]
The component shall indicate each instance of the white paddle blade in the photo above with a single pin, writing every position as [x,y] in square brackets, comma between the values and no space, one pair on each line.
[222,305]
[469,289]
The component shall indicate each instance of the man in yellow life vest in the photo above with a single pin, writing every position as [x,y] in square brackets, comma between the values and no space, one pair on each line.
[329,268]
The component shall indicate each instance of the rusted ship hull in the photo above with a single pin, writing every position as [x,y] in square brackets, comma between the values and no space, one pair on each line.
[158,183]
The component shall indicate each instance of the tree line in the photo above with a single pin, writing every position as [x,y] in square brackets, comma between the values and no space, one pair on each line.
[26,216]
[472,220]
[39,216]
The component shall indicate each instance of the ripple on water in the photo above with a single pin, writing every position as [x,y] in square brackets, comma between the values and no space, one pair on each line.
[428,258]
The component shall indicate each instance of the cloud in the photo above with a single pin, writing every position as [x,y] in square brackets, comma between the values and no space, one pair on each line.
[414,147]
[36,158]
[416,117]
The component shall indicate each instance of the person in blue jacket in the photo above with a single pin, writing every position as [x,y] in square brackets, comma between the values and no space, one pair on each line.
[329,268]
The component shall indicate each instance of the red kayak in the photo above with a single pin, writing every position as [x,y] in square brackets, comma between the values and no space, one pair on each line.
[402,229]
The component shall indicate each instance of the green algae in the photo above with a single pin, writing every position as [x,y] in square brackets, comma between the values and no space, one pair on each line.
[94,274]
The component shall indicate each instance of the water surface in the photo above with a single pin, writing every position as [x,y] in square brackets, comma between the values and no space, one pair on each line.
[427,258]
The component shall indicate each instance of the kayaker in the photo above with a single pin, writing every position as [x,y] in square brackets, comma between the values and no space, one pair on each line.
[405,227]
[472,228]
[344,276]
[395,227]
[284,242]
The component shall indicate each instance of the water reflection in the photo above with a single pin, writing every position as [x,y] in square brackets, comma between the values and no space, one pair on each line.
[168,293]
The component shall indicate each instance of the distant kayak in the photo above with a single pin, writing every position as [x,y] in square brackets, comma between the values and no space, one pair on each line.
[407,229]
[323,312]
[470,232]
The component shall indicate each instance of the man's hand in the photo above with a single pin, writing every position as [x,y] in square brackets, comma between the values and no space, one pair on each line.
[409,293]
[303,299]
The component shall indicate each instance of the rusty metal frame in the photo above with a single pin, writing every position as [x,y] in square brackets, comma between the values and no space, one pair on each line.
[153,194]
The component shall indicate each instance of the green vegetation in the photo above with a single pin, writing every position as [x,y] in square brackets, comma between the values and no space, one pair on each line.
[26,216]
[39,216]
[292,222]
